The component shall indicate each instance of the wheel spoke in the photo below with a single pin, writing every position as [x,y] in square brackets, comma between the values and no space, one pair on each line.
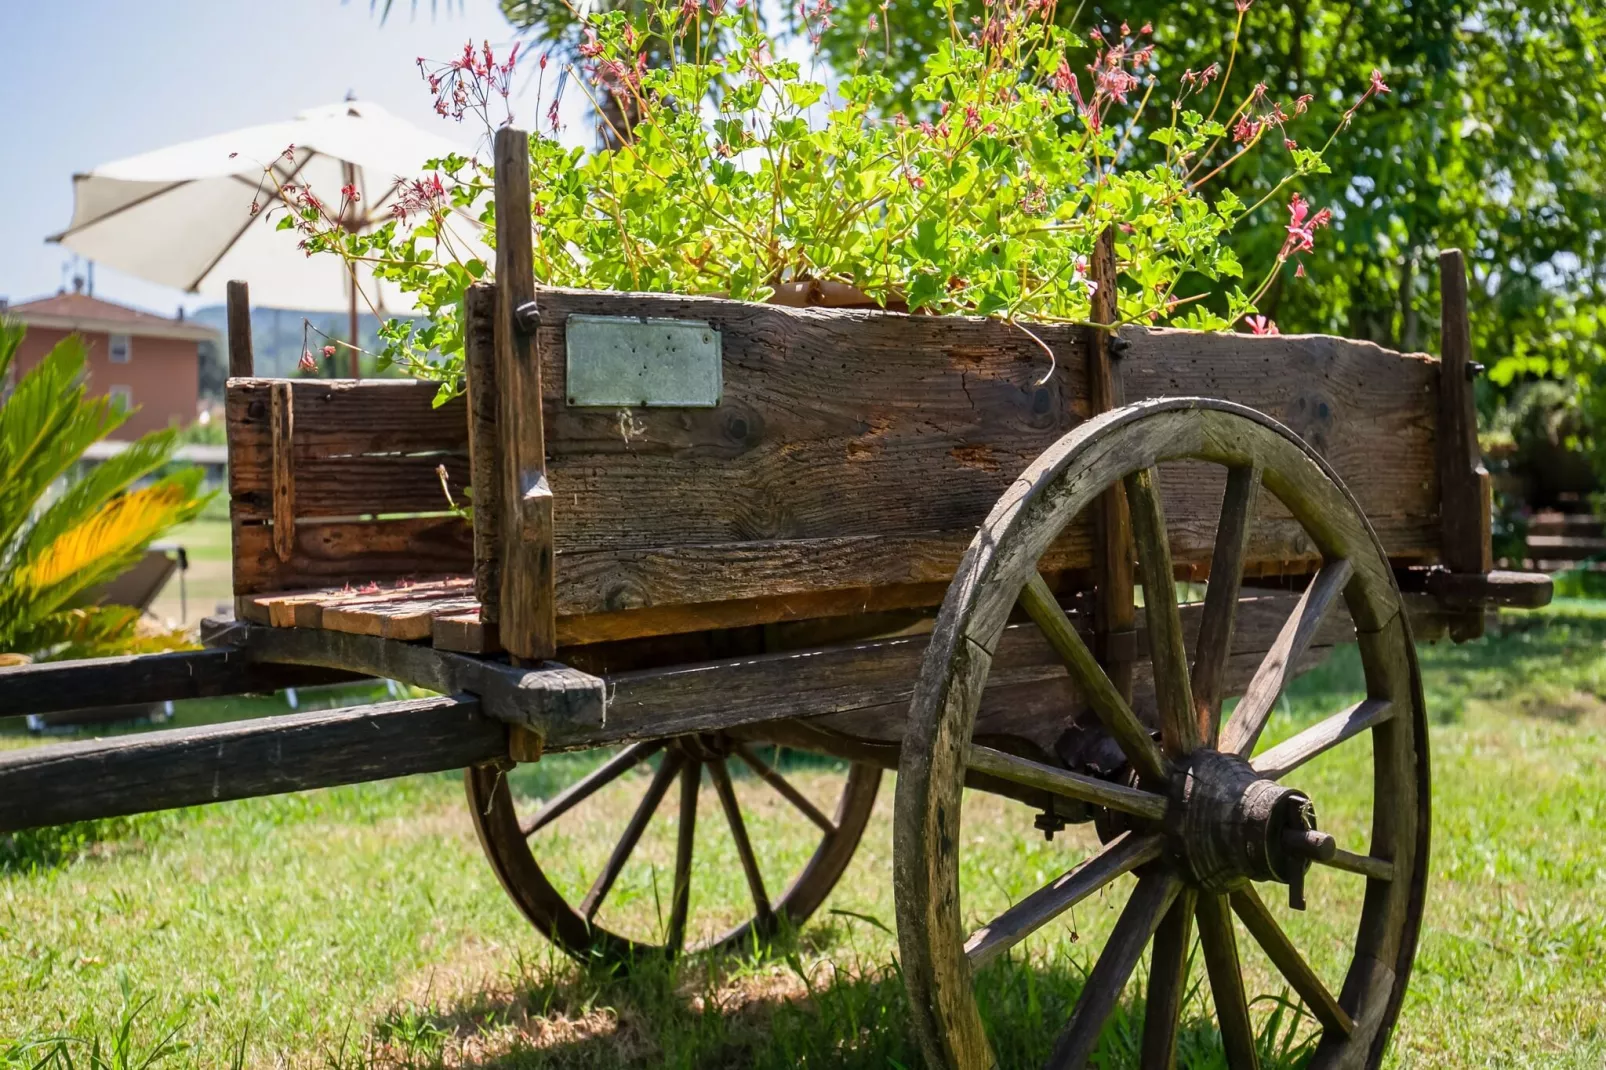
[1168,984]
[784,789]
[1113,710]
[1378,869]
[1221,598]
[1124,854]
[632,835]
[691,779]
[1179,724]
[1285,757]
[583,789]
[1220,945]
[1247,904]
[1282,660]
[1149,902]
[1064,782]
[744,846]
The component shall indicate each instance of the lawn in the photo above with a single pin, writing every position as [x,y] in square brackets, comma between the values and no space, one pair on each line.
[361,927]
[209,582]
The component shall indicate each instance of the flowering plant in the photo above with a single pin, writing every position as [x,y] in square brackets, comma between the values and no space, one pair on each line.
[736,174]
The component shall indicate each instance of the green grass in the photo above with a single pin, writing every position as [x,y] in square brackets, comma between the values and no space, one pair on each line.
[361,927]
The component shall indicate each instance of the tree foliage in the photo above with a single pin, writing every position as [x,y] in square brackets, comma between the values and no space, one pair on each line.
[1490,141]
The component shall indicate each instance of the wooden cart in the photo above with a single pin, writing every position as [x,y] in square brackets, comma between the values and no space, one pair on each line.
[904,541]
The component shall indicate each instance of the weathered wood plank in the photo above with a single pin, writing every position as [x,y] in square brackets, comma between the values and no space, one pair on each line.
[360,447]
[283,414]
[485,464]
[55,686]
[336,552]
[860,689]
[527,605]
[238,304]
[131,774]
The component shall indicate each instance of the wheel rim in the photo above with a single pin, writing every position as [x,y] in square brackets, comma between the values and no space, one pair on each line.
[686,764]
[1168,828]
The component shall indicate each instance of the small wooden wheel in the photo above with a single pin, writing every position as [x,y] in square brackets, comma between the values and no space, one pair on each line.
[507,842]
[1196,819]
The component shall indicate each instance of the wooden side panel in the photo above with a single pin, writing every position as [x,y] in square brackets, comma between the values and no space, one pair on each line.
[1370,412]
[356,451]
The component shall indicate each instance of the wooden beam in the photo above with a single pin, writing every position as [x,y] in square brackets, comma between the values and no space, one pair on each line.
[55,686]
[1115,611]
[64,782]
[527,609]
[241,360]
[485,466]
[1464,490]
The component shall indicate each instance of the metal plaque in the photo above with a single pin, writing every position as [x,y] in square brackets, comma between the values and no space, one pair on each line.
[624,361]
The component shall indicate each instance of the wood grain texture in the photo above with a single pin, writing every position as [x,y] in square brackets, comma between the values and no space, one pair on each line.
[82,781]
[1262,925]
[238,305]
[357,551]
[527,605]
[1168,651]
[1221,598]
[360,447]
[1463,480]
[1249,718]
[1168,984]
[283,416]
[55,686]
[485,465]
[1055,781]
[1112,520]
[1125,853]
[1137,923]
[1318,739]
[1225,969]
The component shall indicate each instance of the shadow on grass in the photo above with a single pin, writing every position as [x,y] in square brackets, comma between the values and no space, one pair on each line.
[776,1013]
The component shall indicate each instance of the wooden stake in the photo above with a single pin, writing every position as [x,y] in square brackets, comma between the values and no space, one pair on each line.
[239,312]
[1115,611]
[485,467]
[527,610]
[1465,495]
[284,472]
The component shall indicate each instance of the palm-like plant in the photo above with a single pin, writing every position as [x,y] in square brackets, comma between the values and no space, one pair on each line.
[55,551]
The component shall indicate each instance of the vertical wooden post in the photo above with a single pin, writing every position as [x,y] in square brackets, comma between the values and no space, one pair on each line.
[239,312]
[485,463]
[284,471]
[527,610]
[1115,613]
[1465,495]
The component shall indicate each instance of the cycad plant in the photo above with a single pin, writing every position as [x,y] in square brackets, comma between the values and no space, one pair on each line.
[55,551]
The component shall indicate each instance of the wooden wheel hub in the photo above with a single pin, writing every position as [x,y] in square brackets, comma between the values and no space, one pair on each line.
[1230,826]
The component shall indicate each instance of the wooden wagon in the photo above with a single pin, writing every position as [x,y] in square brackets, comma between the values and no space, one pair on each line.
[908,542]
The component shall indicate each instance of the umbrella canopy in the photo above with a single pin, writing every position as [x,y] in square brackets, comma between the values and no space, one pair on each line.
[181,216]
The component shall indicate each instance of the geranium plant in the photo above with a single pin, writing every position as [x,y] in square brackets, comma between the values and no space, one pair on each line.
[741,175]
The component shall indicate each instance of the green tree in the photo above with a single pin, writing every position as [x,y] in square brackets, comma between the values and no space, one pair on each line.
[55,550]
[1490,140]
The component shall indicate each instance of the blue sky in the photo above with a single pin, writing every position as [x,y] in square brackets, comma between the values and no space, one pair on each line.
[90,81]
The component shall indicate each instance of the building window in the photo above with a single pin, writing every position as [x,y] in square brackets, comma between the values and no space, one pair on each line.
[122,396]
[121,348]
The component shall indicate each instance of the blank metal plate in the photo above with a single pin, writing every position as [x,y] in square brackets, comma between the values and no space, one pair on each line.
[618,361]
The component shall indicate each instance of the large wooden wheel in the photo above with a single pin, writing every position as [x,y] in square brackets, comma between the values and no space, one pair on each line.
[507,838]
[1199,819]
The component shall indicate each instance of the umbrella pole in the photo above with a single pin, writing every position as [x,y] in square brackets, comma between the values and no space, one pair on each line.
[356,370]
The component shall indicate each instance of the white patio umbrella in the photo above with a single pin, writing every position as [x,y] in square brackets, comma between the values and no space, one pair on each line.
[181,216]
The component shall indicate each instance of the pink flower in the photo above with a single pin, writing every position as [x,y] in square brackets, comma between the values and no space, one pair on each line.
[1299,270]
[1261,325]
[1302,227]
[1377,82]
[1243,5]
[307,363]
[328,351]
